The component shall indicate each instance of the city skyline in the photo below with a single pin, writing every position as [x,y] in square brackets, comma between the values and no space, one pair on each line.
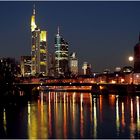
[101,33]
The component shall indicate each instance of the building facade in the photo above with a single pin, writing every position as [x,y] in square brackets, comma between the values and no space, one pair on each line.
[73,64]
[51,68]
[25,65]
[137,57]
[86,68]
[61,56]
[39,50]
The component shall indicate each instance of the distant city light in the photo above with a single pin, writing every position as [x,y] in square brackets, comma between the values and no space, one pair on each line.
[113,82]
[122,80]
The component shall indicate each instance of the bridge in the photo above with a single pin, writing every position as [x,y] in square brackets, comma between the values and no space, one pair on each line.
[94,88]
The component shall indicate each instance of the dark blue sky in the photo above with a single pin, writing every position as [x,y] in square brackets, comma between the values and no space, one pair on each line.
[102,33]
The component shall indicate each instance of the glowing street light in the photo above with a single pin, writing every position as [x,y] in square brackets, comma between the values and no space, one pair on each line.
[131,58]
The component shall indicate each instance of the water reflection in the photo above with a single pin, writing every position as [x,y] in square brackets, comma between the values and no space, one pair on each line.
[138,114]
[101,107]
[132,124]
[117,116]
[95,118]
[49,115]
[74,119]
[74,115]
[65,118]
[123,117]
[4,121]
[37,120]
[32,122]
[81,116]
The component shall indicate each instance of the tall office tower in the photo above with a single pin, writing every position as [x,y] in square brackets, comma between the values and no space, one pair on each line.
[89,71]
[39,49]
[137,57]
[25,65]
[43,61]
[61,56]
[51,65]
[86,68]
[73,63]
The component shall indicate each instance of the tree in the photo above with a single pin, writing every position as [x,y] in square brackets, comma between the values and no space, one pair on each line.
[9,70]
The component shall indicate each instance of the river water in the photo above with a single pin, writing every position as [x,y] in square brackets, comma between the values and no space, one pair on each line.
[72,115]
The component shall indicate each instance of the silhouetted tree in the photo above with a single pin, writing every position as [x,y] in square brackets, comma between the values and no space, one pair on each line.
[9,70]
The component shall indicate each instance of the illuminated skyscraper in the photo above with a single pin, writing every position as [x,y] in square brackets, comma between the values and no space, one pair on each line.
[39,49]
[73,63]
[25,65]
[61,56]
[86,68]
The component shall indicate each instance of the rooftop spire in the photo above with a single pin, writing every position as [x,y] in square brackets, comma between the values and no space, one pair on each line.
[58,30]
[34,9]
[33,25]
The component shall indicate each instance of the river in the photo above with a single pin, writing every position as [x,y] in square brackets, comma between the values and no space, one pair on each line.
[72,115]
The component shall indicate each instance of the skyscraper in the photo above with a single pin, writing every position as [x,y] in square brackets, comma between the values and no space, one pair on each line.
[25,64]
[86,68]
[61,56]
[51,68]
[137,57]
[73,64]
[38,49]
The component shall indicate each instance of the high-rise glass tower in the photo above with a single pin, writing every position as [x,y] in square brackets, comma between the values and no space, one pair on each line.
[38,49]
[61,56]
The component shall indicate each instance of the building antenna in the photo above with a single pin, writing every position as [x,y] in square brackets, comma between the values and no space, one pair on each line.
[34,9]
[58,30]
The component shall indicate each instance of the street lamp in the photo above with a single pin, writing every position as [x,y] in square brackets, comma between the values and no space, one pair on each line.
[131,58]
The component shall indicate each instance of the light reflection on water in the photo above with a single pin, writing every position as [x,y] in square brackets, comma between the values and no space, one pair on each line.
[4,121]
[117,116]
[95,118]
[138,114]
[74,115]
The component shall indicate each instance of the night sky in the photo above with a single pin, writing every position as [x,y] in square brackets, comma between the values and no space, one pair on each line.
[102,33]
